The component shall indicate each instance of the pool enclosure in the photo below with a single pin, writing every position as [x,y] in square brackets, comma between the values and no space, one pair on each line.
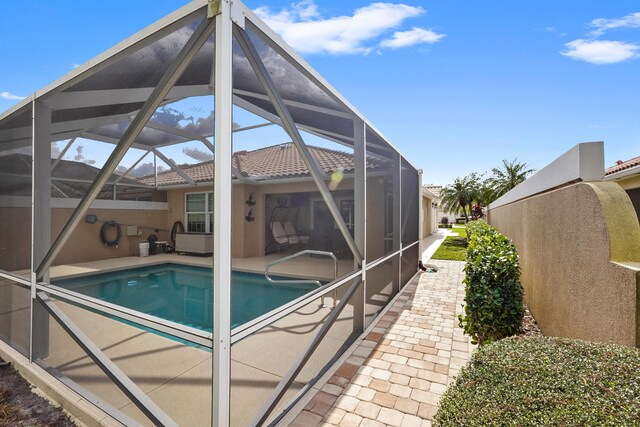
[203,133]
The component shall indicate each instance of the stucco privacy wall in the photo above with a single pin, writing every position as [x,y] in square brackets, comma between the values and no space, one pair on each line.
[580,255]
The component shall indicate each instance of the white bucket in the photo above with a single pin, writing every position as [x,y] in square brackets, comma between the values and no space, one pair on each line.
[144,249]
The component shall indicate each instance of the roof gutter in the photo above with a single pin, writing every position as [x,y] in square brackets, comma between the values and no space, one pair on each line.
[623,173]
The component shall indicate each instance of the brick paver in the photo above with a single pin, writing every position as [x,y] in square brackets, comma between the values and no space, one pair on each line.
[397,375]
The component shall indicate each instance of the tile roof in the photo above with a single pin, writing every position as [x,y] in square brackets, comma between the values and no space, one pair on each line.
[620,166]
[70,179]
[274,162]
[435,189]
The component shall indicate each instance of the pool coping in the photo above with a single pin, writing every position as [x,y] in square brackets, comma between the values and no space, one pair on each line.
[183,259]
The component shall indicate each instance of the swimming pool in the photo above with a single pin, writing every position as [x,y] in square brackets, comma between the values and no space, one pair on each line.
[183,293]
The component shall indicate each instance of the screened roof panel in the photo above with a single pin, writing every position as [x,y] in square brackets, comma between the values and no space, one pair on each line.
[60,116]
[149,137]
[20,119]
[142,68]
[101,96]
[200,70]
[291,83]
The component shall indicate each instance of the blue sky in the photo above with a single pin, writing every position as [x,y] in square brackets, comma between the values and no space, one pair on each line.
[456,85]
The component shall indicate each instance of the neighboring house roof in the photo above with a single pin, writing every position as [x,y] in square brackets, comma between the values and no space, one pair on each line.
[620,166]
[435,189]
[69,179]
[274,162]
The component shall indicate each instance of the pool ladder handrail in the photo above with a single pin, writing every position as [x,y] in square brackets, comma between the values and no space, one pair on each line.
[315,282]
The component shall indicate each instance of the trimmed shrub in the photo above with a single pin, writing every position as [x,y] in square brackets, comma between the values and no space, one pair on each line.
[493,294]
[444,220]
[445,225]
[540,381]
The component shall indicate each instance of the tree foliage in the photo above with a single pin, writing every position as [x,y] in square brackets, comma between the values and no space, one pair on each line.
[197,154]
[505,177]
[457,197]
[493,294]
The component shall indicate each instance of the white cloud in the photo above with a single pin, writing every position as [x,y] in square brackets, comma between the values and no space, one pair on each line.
[602,25]
[411,37]
[303,27]
[74,66]
[601,51]
[11,97]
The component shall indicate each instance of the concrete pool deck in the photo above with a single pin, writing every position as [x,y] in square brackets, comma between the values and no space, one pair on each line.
[177,377]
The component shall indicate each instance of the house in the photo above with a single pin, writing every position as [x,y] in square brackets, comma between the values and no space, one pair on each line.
[440,213]
[429,212]
[359,203]
[272,184]
[627,175]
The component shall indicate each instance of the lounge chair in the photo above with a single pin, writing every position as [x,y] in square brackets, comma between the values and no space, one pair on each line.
[294,237]
[279,235]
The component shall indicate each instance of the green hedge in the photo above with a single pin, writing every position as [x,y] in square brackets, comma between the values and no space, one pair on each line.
[539,381]
[493,294]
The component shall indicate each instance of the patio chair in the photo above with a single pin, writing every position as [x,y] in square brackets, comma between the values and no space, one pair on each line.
[280,237]
[294,237]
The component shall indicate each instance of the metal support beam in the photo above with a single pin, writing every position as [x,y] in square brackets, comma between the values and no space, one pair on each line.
[223,131]
[174,72]
[397,212]
[132,167]
[234,170]
[173,166]
[41,221]
[296,104]
[124,383]
[246,105]
[177,132]
[245,128]
[62,192]
[360,220]
[109,140]
[62,153]
[420,215]
[155,170]
[291,129]
[277,394]
[209,145]
[94,98]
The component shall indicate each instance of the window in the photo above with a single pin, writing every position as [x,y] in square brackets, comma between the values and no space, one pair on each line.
[347,210]
[199,212]
[321,217]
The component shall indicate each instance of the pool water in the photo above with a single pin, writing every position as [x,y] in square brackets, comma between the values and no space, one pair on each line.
[183,294]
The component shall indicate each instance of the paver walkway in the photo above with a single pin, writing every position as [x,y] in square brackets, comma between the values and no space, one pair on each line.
[398,374]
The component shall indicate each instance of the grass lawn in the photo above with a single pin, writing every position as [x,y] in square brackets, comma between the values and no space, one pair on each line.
[460,229]
[454,247]
[540,381]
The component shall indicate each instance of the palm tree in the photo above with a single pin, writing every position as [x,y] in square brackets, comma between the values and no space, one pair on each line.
[458,196]
[507,176]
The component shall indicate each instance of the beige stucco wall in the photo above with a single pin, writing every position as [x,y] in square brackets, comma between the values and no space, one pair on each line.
[630,182]
[84,244]
[249,238]
[580,256]
[427,217]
